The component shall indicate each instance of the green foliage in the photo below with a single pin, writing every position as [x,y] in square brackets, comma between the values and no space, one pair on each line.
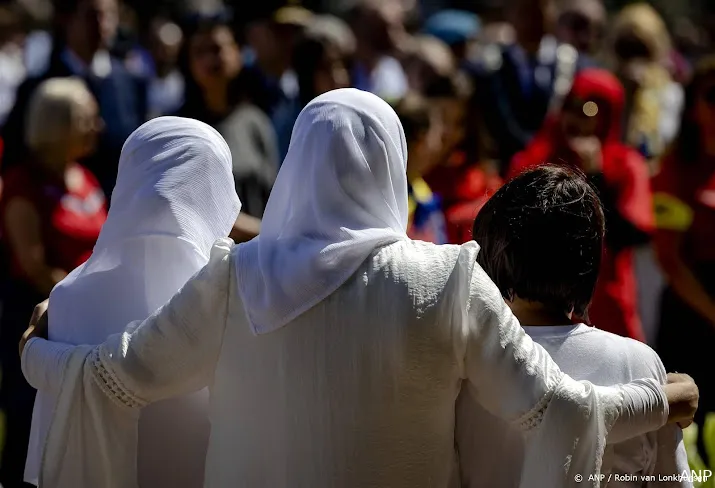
[690,437]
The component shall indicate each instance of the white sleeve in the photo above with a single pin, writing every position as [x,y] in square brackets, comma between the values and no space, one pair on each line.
[566,422]
[670,459]
[92,438]
[172,352]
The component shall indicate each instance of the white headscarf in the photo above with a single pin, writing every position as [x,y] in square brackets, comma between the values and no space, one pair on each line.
[340,194]
[174,197]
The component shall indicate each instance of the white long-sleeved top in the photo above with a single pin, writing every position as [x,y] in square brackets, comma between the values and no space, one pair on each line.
[358,391]
[486,444]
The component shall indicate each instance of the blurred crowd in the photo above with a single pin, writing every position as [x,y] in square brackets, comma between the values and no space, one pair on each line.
[626,97]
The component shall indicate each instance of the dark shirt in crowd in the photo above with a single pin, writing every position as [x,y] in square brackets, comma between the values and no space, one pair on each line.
[519,90]
[279,98]
[254,150]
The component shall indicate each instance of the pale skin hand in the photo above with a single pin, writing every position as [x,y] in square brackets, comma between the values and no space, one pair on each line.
[683,396]
[38,325]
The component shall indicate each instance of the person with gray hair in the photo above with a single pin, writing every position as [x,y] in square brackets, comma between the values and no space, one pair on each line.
[52,210]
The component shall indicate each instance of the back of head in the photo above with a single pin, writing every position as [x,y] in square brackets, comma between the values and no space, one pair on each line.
[174,197]
[340,194]
[174,180]
[334,30]
[348,151]
[640,22]
[541,238]
[54,109]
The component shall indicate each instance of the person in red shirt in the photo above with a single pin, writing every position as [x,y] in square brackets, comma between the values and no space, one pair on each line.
[684,198]
[51,211]
[585,134]
[462,184]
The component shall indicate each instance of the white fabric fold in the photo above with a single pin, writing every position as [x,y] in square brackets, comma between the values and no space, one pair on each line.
[340,194]
[174,197]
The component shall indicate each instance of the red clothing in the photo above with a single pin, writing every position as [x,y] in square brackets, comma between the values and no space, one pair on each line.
[71,217]
[464,189]
[626,196]
[684,195]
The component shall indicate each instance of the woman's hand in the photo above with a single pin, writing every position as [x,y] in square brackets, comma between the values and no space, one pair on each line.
[683,396]
[38,325]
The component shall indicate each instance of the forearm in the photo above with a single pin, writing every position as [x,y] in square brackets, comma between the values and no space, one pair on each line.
[245,228]
[44,363]
[643,408]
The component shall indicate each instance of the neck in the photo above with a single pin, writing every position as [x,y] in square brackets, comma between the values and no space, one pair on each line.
[274,68]
[368,57]
[52,166]
[84,53]
[217,100]
[163,70]
[537,314]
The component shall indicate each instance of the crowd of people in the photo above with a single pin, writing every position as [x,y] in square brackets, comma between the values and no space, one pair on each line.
[610,97]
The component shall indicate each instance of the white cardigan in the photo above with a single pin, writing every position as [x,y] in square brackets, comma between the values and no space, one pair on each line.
[357,392]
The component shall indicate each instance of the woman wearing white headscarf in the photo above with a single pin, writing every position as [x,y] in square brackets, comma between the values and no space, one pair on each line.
[173,198]
[334,347]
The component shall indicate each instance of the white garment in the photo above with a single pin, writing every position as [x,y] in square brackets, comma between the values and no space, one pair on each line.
[489,449]
[38,49]
[349,156]
[165,95]
[672,104]
[174,196]
[12,74]
[388,79]
[358,391]
[101,65]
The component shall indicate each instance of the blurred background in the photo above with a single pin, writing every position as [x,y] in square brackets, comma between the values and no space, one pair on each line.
[624,91]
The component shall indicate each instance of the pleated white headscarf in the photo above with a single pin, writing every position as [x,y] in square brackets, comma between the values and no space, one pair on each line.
[174,197]
[340,194]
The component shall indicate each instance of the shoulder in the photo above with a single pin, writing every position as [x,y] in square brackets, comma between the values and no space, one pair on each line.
[638,359]
[214,277]
[419,254]
[430,267]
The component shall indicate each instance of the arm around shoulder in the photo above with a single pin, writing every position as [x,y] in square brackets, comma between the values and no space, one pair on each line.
[172,352]
[517,380]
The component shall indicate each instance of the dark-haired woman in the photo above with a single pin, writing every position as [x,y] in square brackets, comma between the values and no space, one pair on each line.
[541,239]
[684,197]
[585,134]
[218,93]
